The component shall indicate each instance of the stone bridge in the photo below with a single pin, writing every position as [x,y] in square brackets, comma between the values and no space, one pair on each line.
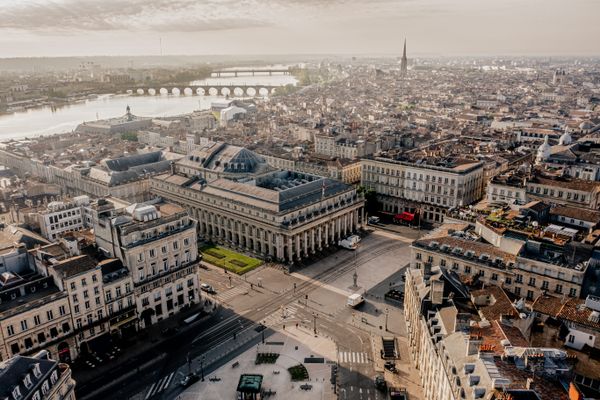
[208,90]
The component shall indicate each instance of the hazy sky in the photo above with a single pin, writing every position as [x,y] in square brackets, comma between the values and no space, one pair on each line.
[432,27]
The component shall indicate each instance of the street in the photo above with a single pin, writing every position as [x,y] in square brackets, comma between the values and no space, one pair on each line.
[314,297]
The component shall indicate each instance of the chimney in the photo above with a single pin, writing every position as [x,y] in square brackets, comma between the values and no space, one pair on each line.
[473,344]
[172,165]
[437,292]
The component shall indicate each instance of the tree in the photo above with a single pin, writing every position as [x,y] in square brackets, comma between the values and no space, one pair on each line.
[371,202]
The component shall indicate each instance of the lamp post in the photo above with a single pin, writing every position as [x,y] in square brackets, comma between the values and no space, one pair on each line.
[386,319]
[315,323]
[202,368]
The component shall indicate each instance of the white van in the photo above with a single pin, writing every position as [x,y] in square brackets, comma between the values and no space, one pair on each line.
[355,299]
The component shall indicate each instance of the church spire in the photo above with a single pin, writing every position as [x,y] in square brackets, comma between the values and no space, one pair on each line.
[404,62]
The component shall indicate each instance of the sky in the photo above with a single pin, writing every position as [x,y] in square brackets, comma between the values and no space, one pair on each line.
[203,27]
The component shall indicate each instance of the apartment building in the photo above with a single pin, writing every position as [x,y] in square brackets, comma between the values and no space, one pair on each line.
[426,186]
[527,267]
[36,378]
[460,354]
[158,246]
[61,217]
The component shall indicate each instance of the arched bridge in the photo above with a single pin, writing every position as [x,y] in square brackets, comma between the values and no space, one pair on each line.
[252,71]
[208,90]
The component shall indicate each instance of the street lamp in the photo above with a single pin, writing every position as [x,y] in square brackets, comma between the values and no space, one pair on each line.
[386,319]
[202,368]
[315,323]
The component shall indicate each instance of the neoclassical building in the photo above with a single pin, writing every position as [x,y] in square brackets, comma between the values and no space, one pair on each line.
[282,215]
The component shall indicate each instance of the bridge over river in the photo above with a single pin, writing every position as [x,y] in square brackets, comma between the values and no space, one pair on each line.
[234,90]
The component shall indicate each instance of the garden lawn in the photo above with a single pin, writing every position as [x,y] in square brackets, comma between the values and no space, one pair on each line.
[228,259]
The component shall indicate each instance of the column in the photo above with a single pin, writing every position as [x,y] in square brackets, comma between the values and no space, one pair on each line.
[326,234]
[290,252]
[320,237]
[312,241]
[345,224]
[279,245]
[298,250]
[305,234]
[351,217]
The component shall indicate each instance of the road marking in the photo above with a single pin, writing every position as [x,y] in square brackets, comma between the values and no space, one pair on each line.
[168,381]
[353,357]
[150,391]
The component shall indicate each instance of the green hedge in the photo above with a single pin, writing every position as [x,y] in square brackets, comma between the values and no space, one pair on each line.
[230,260]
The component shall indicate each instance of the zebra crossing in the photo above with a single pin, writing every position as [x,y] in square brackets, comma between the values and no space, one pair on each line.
[353,357]
[233,292]
[160,386]
[282,315]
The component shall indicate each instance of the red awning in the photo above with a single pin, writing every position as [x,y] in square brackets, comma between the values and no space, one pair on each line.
[405,216]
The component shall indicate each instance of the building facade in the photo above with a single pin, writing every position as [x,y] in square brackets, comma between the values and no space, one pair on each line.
[283,215]
[421,187]
[159,248]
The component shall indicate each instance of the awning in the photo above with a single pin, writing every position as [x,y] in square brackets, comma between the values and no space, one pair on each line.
[123,322]
[405,216]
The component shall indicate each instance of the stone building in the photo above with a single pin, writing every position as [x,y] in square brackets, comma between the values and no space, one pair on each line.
[37,377]
[158,246]
[282,215]
[428,187]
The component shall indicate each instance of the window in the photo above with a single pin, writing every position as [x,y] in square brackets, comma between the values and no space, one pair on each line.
[37,320]
[87,304]
[50,315]
[76,308]
[24,325]
[83,282]
[508,281]
[10,330]
[94,278]
[118,291]
[573,292]
[559,288]
[517,291]
[127,287]
[443,262]
[96,290]
[145,302]
[530,294]
[467,269]
[152,253]
[494,277]
[86,294]
[532,281]
[73,286]
[418,256]
[98,301]
[571,339]
[108,295]
[175,245]
[544,285]
[519,278]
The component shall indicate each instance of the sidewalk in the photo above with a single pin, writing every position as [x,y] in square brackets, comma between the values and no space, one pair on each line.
[145,340]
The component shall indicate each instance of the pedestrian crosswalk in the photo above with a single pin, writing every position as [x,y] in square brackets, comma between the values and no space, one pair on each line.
[286,313]
[231,293]
[353,357]
[160,386]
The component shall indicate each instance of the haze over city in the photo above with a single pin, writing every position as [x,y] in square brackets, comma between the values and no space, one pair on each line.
[299,199]
[33,28]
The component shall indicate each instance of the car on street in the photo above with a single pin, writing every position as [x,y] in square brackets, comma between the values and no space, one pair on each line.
[189,379]
[373,220]
[355,300]
[380,383]
[207,288]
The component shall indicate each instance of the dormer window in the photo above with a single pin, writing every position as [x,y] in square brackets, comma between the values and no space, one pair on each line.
[16,393]
[27,381]
[36,370]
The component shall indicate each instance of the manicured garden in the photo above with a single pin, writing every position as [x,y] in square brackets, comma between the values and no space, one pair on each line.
[266,358]
[228,259]
[298,373]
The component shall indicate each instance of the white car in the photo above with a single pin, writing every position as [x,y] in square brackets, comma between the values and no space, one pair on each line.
[207,288]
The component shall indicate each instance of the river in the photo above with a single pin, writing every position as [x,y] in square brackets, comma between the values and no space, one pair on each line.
[47,120]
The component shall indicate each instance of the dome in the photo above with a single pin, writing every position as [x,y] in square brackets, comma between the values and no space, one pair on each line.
[543,151]
[565,138]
